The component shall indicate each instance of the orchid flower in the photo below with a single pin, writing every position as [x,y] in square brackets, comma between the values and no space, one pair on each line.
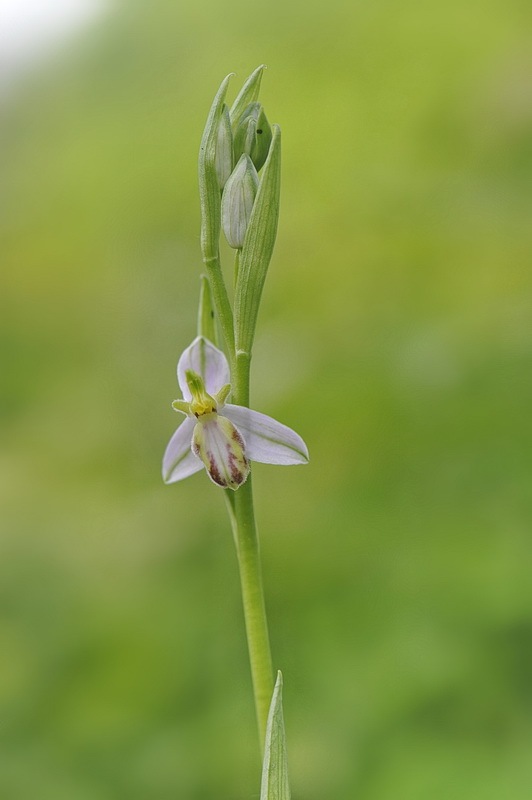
[217,435]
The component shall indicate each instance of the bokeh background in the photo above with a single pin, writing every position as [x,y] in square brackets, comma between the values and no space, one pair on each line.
[395,335]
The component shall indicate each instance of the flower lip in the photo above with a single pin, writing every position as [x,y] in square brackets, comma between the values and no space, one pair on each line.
[220,446]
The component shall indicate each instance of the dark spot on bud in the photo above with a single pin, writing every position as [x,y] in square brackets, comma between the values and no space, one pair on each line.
[259,130]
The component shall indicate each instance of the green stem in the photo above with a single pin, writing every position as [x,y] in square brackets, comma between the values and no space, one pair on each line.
[236,268]
[221,301]
[253,601]
[247,545]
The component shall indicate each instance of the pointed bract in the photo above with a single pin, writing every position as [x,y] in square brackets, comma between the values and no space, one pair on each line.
[224,148]
[258,247]
[248,94]
[209,186]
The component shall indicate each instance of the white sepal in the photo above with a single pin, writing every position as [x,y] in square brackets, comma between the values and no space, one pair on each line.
[207,361]
[179,461]
[267,440]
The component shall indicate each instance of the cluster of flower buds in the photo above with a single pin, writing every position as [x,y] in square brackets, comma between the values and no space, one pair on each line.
[243,142]
[239,181]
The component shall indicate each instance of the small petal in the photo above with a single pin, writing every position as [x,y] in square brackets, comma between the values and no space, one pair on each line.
[179,461]
[222,395]
[182,406]
[221,448]
[267,440]
[205,359]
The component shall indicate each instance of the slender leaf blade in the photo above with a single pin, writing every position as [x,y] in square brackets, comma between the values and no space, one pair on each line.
[275,784]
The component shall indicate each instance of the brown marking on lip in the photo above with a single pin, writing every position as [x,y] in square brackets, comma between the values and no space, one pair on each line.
[214,472]
[235,464]
[236,435]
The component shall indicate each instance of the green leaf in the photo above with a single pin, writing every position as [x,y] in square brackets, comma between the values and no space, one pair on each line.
[248,94]
[209,187]
[275,784]
[258,247]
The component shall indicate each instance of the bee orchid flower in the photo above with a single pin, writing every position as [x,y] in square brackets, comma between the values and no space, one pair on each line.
[217,435]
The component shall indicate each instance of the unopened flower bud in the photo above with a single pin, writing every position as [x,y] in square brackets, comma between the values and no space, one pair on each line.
[237,201]
[244,137]
[224,148]
[253,135]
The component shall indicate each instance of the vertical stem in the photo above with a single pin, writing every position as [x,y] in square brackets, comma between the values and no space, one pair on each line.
[248,551]
[221,301]
[244,529]
[236,268]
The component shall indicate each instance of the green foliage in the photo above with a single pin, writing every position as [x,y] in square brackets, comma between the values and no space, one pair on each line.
[275,784]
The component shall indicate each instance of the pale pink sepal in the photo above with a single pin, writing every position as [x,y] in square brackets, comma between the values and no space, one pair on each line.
[267,440]
[179,461]
[209,362]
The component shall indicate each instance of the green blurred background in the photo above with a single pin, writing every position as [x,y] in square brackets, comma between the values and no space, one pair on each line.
[395,336]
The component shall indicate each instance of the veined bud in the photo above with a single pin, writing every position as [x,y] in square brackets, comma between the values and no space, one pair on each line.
[237,201]
[224,148]
[253,135]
